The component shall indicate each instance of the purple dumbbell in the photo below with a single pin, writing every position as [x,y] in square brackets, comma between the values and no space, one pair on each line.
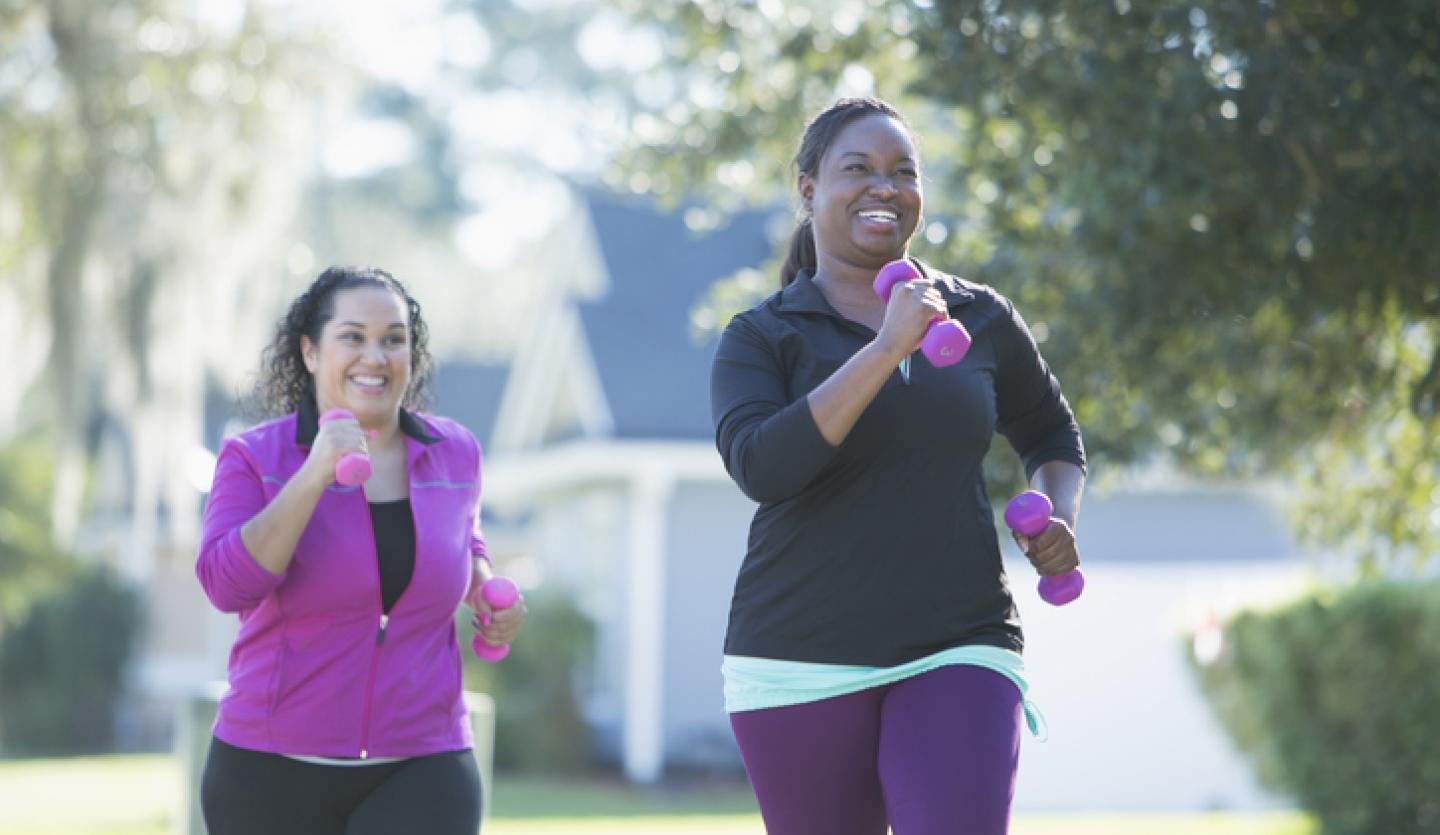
[500,593]
[1028,514]
[353,467]
[946,340]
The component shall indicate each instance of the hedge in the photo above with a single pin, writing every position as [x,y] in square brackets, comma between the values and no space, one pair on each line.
[62,669]
[1336,698]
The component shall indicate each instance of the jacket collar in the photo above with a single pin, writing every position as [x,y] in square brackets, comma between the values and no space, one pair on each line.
[307,424]
[802,296]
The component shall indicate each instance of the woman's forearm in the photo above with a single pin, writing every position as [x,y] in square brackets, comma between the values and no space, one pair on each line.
[270,536]
[837,403]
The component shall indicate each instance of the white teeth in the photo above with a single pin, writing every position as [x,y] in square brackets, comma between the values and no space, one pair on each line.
[885,216]
[369,381]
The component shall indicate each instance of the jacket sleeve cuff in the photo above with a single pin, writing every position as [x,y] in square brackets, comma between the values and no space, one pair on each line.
[798,428]
[247,577]
[1070,455]
[784,454]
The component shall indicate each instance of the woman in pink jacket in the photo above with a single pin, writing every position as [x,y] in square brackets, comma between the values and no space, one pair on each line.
[344,712]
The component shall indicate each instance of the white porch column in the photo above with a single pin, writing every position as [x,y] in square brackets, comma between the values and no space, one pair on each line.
[644,743]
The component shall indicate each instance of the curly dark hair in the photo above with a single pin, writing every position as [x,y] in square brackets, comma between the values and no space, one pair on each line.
[285,381]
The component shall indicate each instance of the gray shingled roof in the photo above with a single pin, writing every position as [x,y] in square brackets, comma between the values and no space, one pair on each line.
[469,393]
[655,375]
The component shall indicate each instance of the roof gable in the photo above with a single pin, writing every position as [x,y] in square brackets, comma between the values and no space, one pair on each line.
[655,376]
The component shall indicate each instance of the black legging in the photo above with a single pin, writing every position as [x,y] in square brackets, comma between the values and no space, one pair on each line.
[246,792]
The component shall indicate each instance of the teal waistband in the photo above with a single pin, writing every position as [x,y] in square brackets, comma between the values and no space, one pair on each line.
[760,683]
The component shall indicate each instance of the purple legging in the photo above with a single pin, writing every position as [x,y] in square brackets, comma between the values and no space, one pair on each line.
[930,755]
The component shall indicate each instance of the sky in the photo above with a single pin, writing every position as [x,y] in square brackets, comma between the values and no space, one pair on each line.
[517,146]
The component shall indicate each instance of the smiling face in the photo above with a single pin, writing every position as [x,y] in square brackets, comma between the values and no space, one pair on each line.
[865,195]
[361,361]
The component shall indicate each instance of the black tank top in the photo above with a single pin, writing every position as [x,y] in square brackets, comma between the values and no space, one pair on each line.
[394,548]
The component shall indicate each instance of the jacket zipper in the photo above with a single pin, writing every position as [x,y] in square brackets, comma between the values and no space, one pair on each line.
[370,688]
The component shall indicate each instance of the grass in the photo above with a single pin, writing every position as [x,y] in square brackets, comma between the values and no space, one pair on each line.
[110,795]
[1088,824]
[141,795]
[524,798]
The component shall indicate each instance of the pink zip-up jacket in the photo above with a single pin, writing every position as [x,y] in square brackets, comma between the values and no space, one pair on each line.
[317,669]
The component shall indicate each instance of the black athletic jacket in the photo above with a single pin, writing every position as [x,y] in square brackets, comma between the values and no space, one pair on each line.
[883,549]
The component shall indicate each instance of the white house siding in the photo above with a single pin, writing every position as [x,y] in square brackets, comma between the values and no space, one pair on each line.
[706,542]
[1129,728]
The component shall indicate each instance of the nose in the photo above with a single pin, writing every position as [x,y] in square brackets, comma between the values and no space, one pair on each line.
[374,352]
[882,186]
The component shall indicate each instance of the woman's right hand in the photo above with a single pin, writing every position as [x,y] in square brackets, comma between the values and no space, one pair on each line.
[912,307]
[335,439]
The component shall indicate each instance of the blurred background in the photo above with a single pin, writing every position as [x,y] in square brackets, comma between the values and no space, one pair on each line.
[1217,218]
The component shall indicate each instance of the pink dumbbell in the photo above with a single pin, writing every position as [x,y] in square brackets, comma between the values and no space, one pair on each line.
[353,467]
[946,340]
[1028,514]
[500,593]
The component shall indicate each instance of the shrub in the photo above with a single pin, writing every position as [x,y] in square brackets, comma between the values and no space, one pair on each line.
[31,565]
[1335,697]
[62,667]
[538,722]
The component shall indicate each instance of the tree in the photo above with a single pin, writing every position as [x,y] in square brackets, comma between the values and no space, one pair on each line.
[1213,213]
[148,178]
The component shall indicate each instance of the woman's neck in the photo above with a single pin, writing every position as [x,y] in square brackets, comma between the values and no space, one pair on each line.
[385,436]
[854,298]
[847,286]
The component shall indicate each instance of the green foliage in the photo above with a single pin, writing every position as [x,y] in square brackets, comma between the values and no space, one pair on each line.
[30,563]
[538,724]
[1215,215]
[1333,697]
[1382,485]
[62,668]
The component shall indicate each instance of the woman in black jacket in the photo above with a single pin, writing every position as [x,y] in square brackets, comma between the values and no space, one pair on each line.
[872,663]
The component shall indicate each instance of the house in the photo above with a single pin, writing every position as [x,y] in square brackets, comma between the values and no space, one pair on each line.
[603,440]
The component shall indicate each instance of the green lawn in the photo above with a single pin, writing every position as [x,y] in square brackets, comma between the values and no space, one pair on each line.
[140,795]
[1091,824]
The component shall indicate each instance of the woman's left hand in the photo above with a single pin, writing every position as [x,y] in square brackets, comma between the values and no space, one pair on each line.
[498,627]
[1053,551]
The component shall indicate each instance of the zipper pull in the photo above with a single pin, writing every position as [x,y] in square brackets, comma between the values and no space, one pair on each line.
[380,636]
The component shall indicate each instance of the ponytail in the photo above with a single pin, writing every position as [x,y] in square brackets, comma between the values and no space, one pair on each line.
[802,252]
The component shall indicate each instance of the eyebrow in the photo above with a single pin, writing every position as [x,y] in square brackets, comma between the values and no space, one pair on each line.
[353,323]
[863,155]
